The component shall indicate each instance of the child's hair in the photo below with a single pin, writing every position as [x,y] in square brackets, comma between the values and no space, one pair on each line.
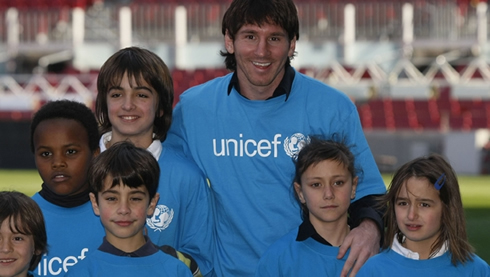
[144,65]
[316,151]
[68,109]
[453,226]
[126,163]
[25,218]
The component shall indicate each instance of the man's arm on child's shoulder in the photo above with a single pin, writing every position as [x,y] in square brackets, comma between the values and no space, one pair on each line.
[366,221]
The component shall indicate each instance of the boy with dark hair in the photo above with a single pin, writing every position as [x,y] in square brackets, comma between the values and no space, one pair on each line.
[325,182]
[23,238]
[124,182]
[64,140]
[134,103]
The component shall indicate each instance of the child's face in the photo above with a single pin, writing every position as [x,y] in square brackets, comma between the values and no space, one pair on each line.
[327,189]
[418,210]
[123,212]
[132,111]
[62,155]
[16,251]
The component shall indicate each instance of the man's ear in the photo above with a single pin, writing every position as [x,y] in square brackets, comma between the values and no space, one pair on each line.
[95,206]
[230,48]
[292,47]
[153,204]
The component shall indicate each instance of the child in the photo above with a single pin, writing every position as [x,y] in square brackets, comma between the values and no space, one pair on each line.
[22,234]
[426,229]
[134,102]
[124,182]
[64,140]
[325,182]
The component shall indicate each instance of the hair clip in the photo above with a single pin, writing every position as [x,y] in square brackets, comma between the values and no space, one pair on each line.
[440,181]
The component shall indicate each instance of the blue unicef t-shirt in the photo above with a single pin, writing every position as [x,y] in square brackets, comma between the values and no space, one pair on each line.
[247,149]
[72,234]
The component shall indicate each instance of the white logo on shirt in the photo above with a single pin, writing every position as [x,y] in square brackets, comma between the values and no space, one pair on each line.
[243,147]
[161,219]
[246,147]
[52,266]
[293,144]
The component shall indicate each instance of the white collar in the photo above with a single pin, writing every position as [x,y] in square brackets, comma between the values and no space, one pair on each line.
[407,253]
[155,147]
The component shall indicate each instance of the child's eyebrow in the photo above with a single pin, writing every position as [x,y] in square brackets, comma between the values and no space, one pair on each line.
[110,191]
[143,87]
[137,192]
[416,199]
[64,146]
[115,87]
[134,88]
[425,200]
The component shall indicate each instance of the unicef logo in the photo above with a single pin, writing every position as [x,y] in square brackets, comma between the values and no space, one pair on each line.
[294,143]
[161,219]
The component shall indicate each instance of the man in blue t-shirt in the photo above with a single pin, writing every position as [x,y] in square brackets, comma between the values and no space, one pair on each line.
[245,129]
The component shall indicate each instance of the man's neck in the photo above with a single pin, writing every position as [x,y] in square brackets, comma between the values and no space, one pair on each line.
[255,92]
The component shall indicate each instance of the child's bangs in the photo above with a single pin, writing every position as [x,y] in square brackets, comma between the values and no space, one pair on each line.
[128,178]
[116,78]
[16,224]
[135,75]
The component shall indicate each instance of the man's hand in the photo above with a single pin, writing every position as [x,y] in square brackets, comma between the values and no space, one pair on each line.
[363,242]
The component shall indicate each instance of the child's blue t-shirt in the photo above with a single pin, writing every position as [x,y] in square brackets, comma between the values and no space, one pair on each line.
[390,263]
[72,234]
[290,257]
[101,263]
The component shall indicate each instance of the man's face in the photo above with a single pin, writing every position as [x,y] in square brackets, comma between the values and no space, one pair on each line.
[261,53]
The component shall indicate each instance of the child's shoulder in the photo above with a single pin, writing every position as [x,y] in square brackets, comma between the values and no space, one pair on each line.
[49,208]
[389,262]
[279,247]
[177,165]
[171,156]
[480,267]
[172,265]
[99,263]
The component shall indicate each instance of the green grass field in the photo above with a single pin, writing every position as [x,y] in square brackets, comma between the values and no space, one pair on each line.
[475,191]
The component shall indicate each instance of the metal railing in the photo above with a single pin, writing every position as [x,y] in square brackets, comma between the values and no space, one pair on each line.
[319,21]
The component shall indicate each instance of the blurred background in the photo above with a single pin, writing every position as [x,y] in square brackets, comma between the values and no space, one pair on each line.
[418,71]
